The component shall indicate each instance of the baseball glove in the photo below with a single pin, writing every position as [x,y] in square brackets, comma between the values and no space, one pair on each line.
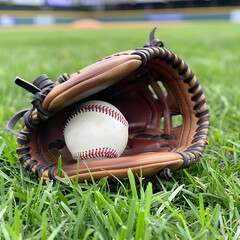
[151,86]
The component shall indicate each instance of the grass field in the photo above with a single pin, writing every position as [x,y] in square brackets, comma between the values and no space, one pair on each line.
[202,202]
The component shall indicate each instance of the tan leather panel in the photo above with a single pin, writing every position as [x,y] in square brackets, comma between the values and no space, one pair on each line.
[95,78]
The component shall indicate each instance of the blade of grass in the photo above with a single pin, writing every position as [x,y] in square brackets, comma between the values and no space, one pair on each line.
[2,213]
[17,224]
[171,197]
[131,218]
[88,232]
[140,225]
[202,210]
[132,184]
[44,226]
[12,233]
[56,231]
[123,233]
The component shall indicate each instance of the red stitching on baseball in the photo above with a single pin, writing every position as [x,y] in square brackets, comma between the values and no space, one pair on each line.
[95,153]
[98,108]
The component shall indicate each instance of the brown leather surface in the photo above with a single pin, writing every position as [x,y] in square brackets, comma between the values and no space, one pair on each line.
[90,80]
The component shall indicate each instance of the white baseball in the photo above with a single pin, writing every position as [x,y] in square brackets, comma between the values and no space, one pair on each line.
[95,130]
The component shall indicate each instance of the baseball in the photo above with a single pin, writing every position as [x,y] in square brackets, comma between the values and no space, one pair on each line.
[96,130]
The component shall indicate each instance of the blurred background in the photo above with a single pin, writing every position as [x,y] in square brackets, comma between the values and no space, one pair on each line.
[92,13]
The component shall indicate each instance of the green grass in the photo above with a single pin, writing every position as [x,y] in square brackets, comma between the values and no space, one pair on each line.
[202,202]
